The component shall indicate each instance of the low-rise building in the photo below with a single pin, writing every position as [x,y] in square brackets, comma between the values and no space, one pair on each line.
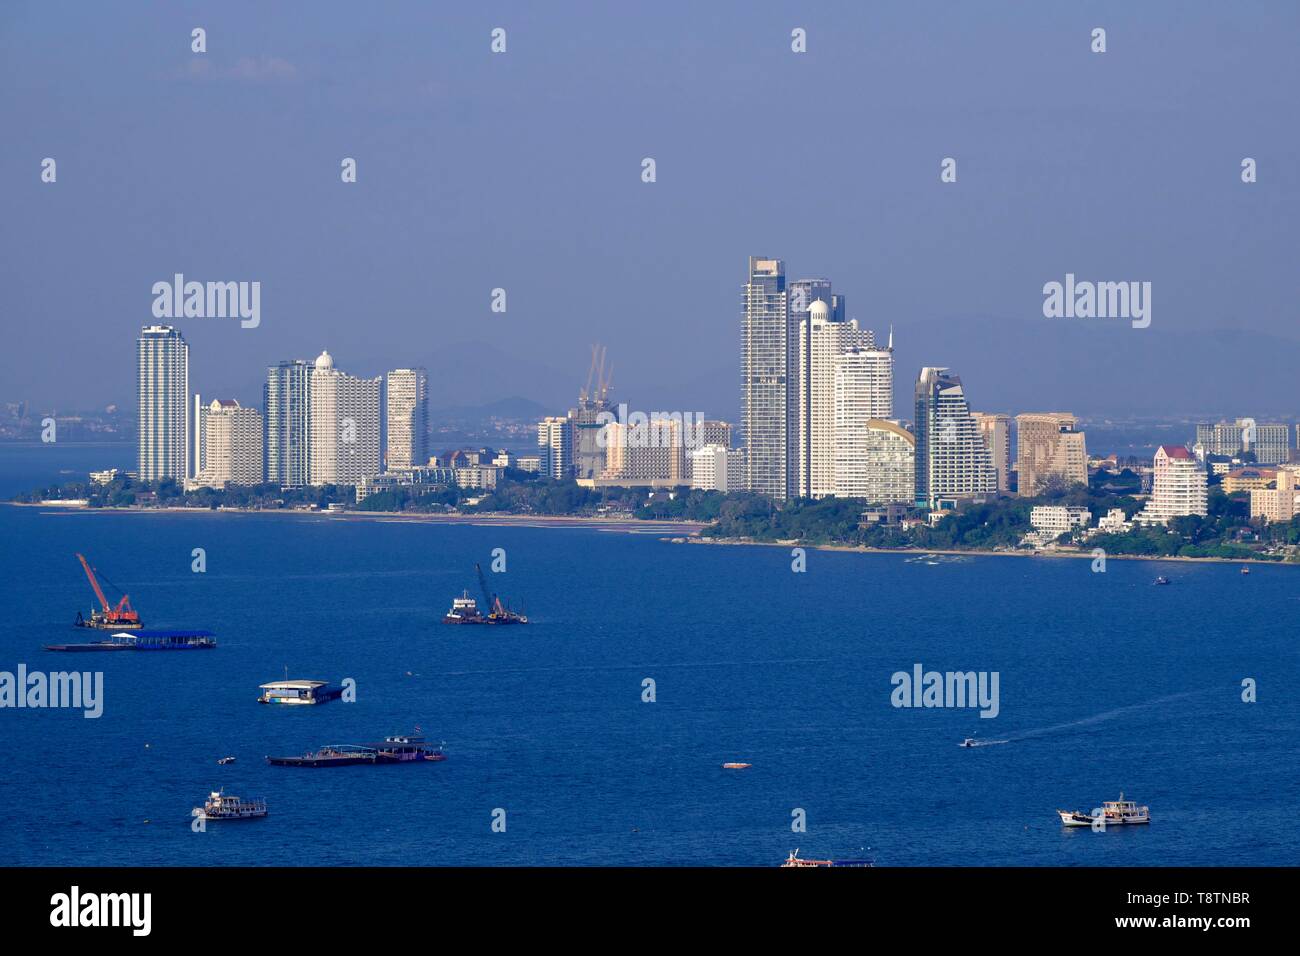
[1052,521]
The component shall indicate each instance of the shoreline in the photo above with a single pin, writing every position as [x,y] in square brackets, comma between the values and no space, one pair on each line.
[672,531]
[972,552]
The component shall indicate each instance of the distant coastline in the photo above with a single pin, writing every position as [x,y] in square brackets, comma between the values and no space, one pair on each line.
[669,530]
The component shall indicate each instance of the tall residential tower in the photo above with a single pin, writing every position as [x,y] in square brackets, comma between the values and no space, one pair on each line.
[764,362]
[162,390]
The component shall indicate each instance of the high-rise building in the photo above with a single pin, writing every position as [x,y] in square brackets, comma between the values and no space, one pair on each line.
[716,468]
[821,343]
[1177,487]
[650,450]
[286,434]
[1270,443]
[408,419]
[801,294]
[555,442]
[764,364]
[996,429]
[863,394]
[163,389]
[875,460]
[233,445]
[1049,448]
[952,460]
[344,435]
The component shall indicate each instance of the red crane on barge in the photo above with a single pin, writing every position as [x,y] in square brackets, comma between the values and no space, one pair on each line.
[118,617]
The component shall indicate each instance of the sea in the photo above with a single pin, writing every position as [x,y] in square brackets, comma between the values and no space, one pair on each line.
[596,735]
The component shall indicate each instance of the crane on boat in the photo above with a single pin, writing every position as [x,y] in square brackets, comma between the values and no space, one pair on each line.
[120,616]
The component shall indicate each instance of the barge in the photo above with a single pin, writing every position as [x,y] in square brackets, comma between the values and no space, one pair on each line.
[178,640]
[405,748]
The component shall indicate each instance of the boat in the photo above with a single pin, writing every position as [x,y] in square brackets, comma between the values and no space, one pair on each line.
[1161,580]
[179,640]
[968,742]
[1245,570]
[736,766]
[117,617]
[794,859]
[1113,813]
[222,761]
[465,610]
[218,806]
[404,748]
[298,692]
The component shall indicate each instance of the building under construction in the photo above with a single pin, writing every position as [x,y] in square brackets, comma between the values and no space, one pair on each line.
[593,400]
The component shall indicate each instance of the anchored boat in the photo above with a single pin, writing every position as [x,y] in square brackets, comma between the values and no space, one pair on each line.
[398,749]
[298,692]
[465,610]
[185,640]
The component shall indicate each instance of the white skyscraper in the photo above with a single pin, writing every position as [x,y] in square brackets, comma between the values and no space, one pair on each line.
[764,359]
[555,442]
[162,390]
[821,344]
[952,460]
[875,460]
[408,419]
[233,443]
[1177,487]
[344,436]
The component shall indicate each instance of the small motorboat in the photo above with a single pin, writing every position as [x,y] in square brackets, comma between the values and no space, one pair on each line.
[736,766]
[1161,580]
[968,742]
[1245,570]
[225,760]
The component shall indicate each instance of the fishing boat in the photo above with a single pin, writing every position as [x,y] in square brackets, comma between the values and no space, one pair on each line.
[794,859]
[1113,813]
[405,748]
[218,806]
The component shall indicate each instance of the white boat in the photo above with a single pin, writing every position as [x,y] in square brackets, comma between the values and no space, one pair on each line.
[1113,813]
[218,806]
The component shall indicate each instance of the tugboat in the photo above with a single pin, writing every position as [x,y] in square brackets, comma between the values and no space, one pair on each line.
[465,610]
[795,860]
[218,806]
[1113,813]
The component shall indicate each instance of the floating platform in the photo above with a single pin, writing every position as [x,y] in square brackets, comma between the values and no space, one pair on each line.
[177,640]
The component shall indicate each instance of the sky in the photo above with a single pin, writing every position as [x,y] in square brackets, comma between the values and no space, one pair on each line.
[522,170]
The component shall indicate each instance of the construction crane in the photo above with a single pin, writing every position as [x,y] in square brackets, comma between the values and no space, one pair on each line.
[120,616]
[596,373]
[498,613]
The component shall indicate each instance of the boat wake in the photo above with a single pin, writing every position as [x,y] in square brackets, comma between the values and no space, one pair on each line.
[1104,716]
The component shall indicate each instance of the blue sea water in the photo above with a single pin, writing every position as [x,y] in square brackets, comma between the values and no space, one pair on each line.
[1106,684]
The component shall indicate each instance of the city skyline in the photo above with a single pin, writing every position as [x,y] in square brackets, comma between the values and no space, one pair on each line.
[1046,171]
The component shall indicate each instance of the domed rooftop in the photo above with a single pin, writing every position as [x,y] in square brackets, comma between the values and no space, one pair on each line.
[324,361]
[819,310]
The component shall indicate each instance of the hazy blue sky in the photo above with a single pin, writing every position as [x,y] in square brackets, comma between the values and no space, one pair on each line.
[522,171]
